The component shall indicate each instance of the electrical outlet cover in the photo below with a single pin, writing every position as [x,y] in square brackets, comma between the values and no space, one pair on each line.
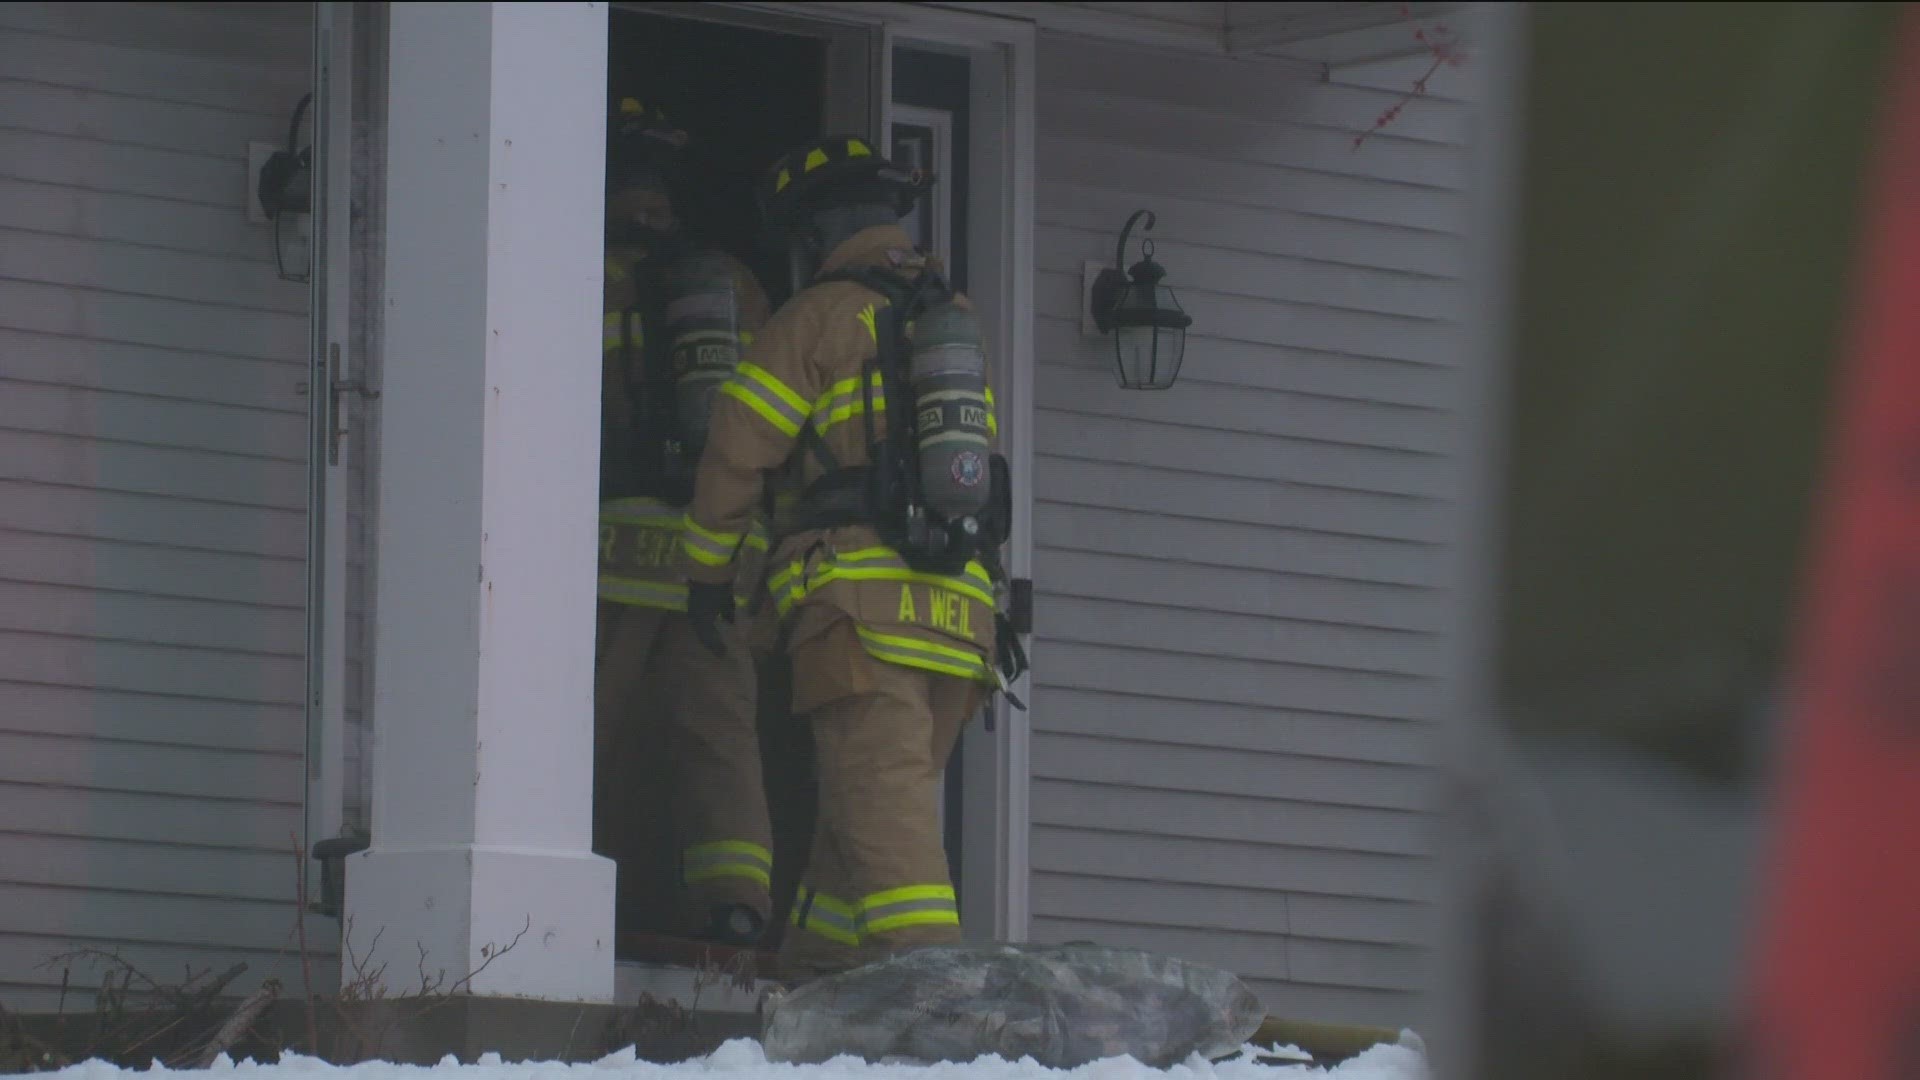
[257,155]
[1089,273]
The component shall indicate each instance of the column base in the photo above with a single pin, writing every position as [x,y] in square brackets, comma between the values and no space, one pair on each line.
[466,905]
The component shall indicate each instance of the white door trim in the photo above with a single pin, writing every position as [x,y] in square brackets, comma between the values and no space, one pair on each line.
[332,112]
[1000,234]
[940,123]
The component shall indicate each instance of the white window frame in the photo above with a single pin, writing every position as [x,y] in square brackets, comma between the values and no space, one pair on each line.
[940,123]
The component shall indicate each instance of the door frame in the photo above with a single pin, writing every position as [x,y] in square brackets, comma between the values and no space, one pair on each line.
[939,123]
[333,86]
[999,221]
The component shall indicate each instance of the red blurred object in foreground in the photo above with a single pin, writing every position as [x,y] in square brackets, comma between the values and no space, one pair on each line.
[1837,990]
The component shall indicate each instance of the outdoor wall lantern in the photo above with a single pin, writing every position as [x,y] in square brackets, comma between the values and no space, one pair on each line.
[1149,329]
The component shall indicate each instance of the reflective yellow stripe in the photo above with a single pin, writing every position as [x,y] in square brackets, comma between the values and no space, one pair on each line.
[847,411]
[832,919]
[767,412]
[792,585]
[715,873]
[914,905]
[765,378]
[637,592]
[777,404]
[646,519]
[913,918]
[707,547]
[910,892]
[908,652]
[973,571]
[728,859]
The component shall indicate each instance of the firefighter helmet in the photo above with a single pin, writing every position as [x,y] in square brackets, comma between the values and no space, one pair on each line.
[643,146]
[838,170]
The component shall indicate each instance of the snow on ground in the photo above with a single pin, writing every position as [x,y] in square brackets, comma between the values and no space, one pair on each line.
[742,1059]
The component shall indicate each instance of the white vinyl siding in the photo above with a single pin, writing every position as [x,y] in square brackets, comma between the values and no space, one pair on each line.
[153,490]
[1241,593]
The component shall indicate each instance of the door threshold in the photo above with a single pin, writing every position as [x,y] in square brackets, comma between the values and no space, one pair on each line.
[684,988]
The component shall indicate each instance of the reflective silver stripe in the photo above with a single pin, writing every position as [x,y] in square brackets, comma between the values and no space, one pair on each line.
[830,918]
[774,400]
[707,303]
[925,911]
[711,548]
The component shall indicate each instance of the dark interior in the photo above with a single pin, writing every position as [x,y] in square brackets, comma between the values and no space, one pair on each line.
[737,127]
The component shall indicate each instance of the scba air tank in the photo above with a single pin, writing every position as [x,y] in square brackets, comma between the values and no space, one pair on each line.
[948,369]
[703,323]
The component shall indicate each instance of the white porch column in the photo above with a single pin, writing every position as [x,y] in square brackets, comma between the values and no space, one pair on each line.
[482,769]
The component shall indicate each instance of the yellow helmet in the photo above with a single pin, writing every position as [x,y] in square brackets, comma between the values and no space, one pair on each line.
[643,146]
[836,171]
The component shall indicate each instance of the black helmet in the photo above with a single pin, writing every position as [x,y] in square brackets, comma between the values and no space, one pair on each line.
[839,170]
[643,146]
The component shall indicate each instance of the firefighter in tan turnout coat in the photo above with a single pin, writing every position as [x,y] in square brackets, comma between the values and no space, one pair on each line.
[887,606]
[676,316]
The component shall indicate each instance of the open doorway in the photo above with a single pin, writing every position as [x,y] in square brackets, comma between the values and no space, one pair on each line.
[744,87]
[806,79]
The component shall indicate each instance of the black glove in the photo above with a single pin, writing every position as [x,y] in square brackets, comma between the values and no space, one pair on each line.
[706,606]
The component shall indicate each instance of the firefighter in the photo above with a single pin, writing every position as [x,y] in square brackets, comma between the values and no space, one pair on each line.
[865,400]
[676,315]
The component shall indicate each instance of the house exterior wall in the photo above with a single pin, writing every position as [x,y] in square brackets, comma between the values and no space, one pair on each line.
[1242,581]
[153,494]
[1242,598]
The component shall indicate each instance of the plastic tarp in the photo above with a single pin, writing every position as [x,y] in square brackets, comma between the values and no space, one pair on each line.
[1062,1006]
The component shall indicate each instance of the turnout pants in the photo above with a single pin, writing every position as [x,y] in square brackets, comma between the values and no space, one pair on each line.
[666,707]
[876,883]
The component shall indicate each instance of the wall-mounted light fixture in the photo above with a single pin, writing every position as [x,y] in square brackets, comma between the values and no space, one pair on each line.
[1149,329]
[286,187]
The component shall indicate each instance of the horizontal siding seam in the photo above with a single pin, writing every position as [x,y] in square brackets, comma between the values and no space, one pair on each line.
[235,801]
[1186,742]
[292,560]
[68,135]
[1282,435]
[126,95]
[1043,214]
[1310,351]
[1446,366]
[1289,620]
[1317,215]
[213,305]
[149,395]
[90,189]
[1254,163]
[1431,502]
[1051,682]
[146,594]
[126,890]
[1150,922]
[1335,802]
[1385,136]
[200,500]
[260,263]
[223,650]
[96,739]
[1057,500]
[298,365]
[112,440]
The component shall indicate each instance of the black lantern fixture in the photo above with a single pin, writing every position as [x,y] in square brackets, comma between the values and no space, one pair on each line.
[1149,329]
